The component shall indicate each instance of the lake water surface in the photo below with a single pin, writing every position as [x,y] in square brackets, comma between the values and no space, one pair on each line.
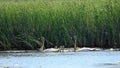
[90,59]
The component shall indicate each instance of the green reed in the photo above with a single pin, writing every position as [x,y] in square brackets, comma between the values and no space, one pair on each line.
[96,23]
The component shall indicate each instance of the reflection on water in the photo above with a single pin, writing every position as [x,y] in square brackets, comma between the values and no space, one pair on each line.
[99,59]
[108,65]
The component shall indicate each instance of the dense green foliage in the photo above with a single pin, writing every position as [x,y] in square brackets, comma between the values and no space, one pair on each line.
[95,23]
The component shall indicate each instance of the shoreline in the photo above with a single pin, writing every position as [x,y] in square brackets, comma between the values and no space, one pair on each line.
[84,49]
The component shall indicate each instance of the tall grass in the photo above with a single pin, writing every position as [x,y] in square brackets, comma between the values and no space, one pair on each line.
[95,23]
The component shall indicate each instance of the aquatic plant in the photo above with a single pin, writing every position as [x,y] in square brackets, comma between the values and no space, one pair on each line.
[95,23]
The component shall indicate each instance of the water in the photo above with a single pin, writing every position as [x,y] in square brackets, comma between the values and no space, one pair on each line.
[98,59]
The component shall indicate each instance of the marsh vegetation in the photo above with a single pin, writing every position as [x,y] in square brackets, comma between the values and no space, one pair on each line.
[95,23]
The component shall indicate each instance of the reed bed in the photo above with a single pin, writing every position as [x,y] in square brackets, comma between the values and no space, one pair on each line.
[95,23]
